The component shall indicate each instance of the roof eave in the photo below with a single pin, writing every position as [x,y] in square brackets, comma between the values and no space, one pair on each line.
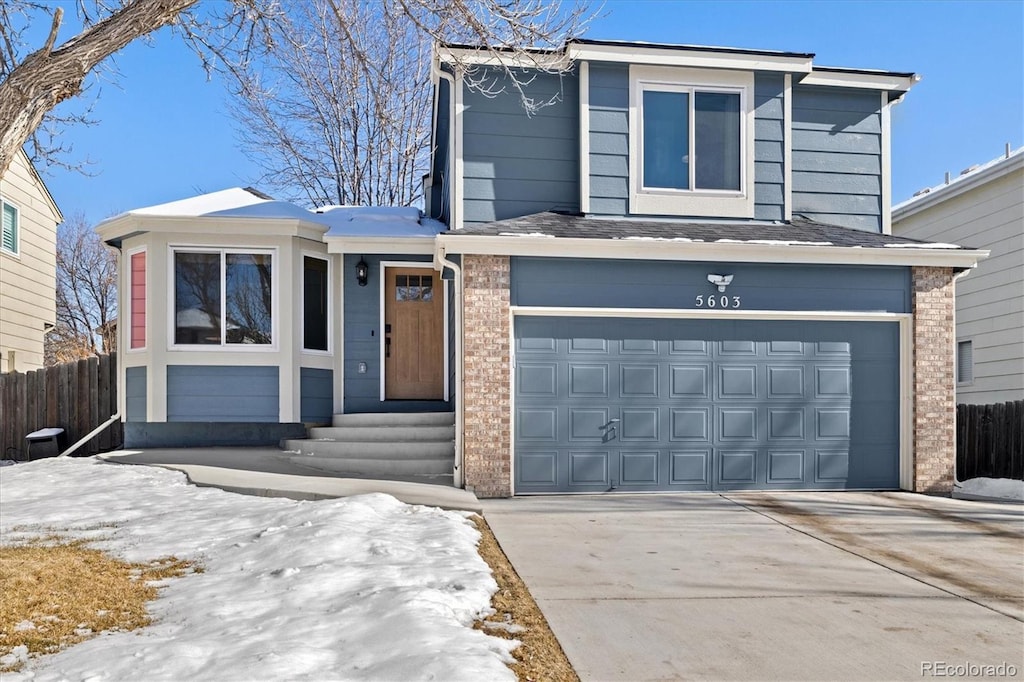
[380,245]
[957,187]
[655,249]
[226,226]
[861,79]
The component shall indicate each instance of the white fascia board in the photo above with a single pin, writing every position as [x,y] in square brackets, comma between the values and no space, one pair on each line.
[262,227]
[461,56]
[378,245]
[863,81]
[641,249]
[957,186]
[702,59]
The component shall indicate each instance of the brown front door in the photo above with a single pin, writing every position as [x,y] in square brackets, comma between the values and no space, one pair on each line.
[413,334]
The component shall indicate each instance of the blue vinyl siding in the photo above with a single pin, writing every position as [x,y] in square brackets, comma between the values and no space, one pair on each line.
[362,341]
[769,152]
[515,164]
[135,394]
[667,284]
[837,143]
[609,139]
[316,387]
[222,393]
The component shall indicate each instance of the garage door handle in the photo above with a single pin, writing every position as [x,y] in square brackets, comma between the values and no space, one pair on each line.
[611,424]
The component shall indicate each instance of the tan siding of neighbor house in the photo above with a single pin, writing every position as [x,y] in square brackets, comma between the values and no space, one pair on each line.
[27,279]
[990,298]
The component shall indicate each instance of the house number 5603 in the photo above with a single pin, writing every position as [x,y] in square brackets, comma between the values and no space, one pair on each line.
[712,301]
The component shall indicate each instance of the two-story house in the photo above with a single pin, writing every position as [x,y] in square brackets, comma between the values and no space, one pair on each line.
[678,276]
[982,207]
[28,266]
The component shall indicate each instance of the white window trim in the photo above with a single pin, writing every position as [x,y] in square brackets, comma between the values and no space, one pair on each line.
[330,303]
[128,300]
[223,347]
[16,253]
[693,202]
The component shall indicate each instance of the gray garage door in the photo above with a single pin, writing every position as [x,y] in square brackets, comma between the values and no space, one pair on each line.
[643,405]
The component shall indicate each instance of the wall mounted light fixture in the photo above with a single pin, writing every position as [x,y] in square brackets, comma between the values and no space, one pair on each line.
[720,281]
[362,272]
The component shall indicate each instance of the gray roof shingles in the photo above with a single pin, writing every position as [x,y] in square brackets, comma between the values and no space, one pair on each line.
[569,226]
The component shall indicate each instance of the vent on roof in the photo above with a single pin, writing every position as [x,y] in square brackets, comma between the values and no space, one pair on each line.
[967,170]
[922,191]
[255,192]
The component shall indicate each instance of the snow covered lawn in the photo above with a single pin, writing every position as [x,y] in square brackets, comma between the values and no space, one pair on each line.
[357,588]
[994,488]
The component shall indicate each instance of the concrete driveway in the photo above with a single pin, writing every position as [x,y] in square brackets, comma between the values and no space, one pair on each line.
[773,586]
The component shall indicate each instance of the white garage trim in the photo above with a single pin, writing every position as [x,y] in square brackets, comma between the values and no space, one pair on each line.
[906,457]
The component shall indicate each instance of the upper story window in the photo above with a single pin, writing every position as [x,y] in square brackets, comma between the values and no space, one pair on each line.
[9,239]
[223,297]
[691,142]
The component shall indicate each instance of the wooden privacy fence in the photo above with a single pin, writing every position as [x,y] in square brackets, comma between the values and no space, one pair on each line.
[75,396]
[990,441]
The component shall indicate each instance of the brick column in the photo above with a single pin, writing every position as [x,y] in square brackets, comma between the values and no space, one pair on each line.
[487,443]
[934,380]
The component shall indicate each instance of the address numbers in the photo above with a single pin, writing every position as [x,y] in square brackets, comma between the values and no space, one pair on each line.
[712,301]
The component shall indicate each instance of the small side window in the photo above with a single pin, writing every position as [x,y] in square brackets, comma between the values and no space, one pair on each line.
[9,240]
[314,302]
[964,362]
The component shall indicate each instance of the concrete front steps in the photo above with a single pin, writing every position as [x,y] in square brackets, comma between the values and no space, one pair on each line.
[417,447]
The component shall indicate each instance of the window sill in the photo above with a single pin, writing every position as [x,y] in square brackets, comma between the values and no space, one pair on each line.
[701,204]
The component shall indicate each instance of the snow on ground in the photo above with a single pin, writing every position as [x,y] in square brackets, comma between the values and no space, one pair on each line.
[356,588]
[1002,488]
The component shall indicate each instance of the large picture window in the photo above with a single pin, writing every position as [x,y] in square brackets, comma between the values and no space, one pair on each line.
[691,142]
[223,297]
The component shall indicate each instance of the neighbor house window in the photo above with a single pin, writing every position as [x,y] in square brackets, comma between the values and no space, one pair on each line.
[314,303]
[964,362]
[223,297]
[691,142]
[137,299]
[9,240]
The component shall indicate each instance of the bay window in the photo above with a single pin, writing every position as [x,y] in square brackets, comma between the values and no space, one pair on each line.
[223,297]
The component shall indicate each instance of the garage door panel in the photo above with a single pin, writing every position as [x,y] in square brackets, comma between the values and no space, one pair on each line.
[589,468]
[690,381]
[639,468]
[588,424]
[737,382]
[689,467]
[786,381]
[630,404]
[737,467]
[639,381]
[537,468]
[537,424]
[537,379]
[786,424]
[737,423]
[691,424]
[640,424]
[588,381]
[786,466]
[689,347]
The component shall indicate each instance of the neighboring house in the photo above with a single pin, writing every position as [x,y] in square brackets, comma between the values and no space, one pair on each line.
[983,208]
[28,266]
[679,276]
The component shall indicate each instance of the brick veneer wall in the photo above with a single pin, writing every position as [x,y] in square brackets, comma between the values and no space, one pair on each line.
[487,440]
[934,380]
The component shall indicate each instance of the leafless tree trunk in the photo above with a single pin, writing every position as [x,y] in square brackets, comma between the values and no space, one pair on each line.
[233,36]
[86,295]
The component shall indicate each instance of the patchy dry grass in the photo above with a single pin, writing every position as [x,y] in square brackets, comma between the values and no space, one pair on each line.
[59,592]
[517,616]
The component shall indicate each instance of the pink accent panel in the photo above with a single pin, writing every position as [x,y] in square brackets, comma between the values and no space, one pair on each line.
[138,300]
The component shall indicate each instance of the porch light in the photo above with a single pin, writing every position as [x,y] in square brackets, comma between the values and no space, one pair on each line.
[362,272]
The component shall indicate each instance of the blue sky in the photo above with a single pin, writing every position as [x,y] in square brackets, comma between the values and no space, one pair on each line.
[165,133]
